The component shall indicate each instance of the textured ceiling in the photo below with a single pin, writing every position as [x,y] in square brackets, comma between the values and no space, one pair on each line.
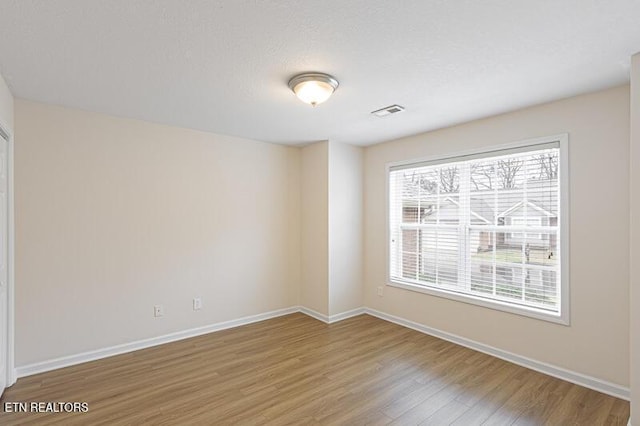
[223,66]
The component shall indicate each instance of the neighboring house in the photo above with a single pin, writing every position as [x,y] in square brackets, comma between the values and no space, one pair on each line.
[503,207]
[532,215]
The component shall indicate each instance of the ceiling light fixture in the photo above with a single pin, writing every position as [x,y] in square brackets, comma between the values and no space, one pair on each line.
[314,87]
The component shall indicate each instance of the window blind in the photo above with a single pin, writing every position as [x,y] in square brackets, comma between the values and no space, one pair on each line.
[485,226]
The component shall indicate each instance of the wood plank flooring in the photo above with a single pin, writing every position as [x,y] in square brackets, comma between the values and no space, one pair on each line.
[295,370]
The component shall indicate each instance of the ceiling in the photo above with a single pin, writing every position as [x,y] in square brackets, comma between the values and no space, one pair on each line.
[223,66]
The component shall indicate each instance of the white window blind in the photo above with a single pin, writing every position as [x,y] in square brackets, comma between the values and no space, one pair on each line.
[485,226]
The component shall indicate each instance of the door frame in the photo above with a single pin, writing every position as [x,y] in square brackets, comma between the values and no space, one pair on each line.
[10,367]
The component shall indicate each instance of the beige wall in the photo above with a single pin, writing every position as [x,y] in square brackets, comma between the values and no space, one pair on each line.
[114,216]
[314,286]
[635,238]
[6,106]
[597,342]
[331,227]
[345,227]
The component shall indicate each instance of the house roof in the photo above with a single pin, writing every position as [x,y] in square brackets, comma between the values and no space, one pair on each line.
[486,207]
[519,207]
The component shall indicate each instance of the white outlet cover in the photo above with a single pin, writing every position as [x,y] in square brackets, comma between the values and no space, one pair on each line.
[158,310]
[197,303]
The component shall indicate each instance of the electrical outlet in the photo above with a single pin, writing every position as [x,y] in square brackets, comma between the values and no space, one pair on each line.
[380,290]
[158,310]
[197,303]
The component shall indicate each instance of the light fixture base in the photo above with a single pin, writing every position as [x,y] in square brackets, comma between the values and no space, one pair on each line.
[313,87]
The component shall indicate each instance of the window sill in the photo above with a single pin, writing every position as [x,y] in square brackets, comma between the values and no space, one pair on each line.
[497,305]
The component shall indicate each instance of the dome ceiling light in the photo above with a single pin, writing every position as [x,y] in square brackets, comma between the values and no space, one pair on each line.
[313,88]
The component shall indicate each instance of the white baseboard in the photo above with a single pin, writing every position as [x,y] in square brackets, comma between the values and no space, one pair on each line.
[329,319]
[561,373]
[66,361]
[344,315]
[314,314]
[12,377]
[551,370]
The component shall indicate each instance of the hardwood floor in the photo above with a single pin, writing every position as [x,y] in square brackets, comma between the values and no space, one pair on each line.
[295,370]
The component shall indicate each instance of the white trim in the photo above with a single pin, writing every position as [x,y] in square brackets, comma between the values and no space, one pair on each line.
[495,304]
[542,367]
[561,373]
[10,355]
[330,319]
[480,152]
[564,317]
[344,315]
[314,314]
[11,287]
[66,361]
[565,225]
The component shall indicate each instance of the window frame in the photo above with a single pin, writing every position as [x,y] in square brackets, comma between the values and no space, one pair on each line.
[564,315]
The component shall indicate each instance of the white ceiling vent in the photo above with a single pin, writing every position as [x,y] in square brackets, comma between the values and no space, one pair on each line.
[386,111]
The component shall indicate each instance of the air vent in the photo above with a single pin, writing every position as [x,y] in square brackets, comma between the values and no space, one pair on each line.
[386,111]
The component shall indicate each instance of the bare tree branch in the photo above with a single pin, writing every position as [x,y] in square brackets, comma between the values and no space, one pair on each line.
[507,171]
[482,176]
[424,182]
[449,180]
[548,166]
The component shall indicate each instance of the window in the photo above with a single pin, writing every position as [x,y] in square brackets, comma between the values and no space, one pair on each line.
[484,227]
[529,221]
